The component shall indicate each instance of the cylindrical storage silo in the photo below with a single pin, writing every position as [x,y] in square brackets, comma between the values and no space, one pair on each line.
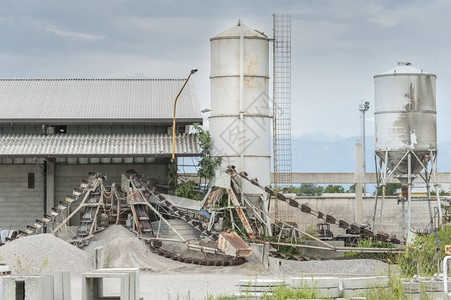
[405,116]
[240,122]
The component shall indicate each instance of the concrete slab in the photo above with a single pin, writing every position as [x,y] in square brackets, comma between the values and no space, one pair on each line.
[134,282]
[61,285]
[92,285]
[315,282]
[324,286]
[28,287]
[260,254]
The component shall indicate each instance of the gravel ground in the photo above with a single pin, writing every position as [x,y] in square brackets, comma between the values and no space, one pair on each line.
[163,278]
[343,268]
[196,283]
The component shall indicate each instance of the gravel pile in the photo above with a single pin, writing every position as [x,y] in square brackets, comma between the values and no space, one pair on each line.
[345,268]
[122,249]
[44,253]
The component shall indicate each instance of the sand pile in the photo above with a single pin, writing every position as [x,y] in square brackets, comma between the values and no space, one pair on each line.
[44,253]
[122,249]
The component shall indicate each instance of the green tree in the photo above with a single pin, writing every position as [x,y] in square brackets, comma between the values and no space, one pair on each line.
[334,189]
[390,189]
[310,189]
[207,163]
[206,171]
[351,189]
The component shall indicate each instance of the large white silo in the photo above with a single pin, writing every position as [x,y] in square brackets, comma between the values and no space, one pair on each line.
[405,116]
[405,127]
[240,120]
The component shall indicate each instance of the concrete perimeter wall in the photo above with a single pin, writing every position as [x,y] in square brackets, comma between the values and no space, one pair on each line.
[18,203]
[344,208]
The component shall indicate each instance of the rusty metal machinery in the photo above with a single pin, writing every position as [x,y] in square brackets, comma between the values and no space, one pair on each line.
[103,205]
[353,228]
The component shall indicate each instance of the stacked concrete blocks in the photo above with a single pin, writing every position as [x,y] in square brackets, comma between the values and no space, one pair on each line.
[258,287]
[417,288]
[92,283]
[322,286]
[354,287]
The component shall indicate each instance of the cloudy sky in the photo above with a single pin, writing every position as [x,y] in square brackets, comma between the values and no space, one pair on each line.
[337,47]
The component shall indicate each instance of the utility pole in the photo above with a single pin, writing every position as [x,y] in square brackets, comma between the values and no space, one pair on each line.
[363,108]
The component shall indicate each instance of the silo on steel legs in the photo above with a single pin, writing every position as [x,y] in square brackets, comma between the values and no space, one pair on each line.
[240,120]
[405,130]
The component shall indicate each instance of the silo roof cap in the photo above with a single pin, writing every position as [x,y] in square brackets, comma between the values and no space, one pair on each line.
[235,31]
[404,68]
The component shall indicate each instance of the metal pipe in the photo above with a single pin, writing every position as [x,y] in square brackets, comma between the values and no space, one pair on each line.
[45,191]
[384,189]
[428,190]
[378,181]
[241,96]
[439,205]
[409,191]
[175,106]
[341,249]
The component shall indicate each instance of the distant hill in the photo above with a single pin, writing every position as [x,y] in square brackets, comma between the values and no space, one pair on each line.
[323,153]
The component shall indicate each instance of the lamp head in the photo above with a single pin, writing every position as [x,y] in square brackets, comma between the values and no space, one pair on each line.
[194,70]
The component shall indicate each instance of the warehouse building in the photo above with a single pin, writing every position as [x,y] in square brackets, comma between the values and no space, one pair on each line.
[54,131]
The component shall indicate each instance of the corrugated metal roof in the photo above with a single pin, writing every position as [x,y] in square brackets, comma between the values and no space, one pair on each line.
[97,145]
[77,101]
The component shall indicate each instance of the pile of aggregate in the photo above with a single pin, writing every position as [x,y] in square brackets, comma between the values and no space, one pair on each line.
[44,253]
[123,249]
[344,267]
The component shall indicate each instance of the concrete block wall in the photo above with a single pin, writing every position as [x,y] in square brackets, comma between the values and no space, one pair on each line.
[20,205]
[344,208]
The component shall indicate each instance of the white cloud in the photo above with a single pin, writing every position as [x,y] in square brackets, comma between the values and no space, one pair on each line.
[70,34]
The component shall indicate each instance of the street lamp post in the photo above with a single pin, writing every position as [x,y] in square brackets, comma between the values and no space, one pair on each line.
[363,108]
[194,70]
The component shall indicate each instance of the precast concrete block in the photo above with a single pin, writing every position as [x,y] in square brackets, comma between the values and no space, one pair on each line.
[92,285]
[134,282]
[324,286]
[355,293]
[315,282]
[354,287]
[433,285]
[61,285]
[30,287]
[260,253]
[364,282]
[99,258]
[259,285]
